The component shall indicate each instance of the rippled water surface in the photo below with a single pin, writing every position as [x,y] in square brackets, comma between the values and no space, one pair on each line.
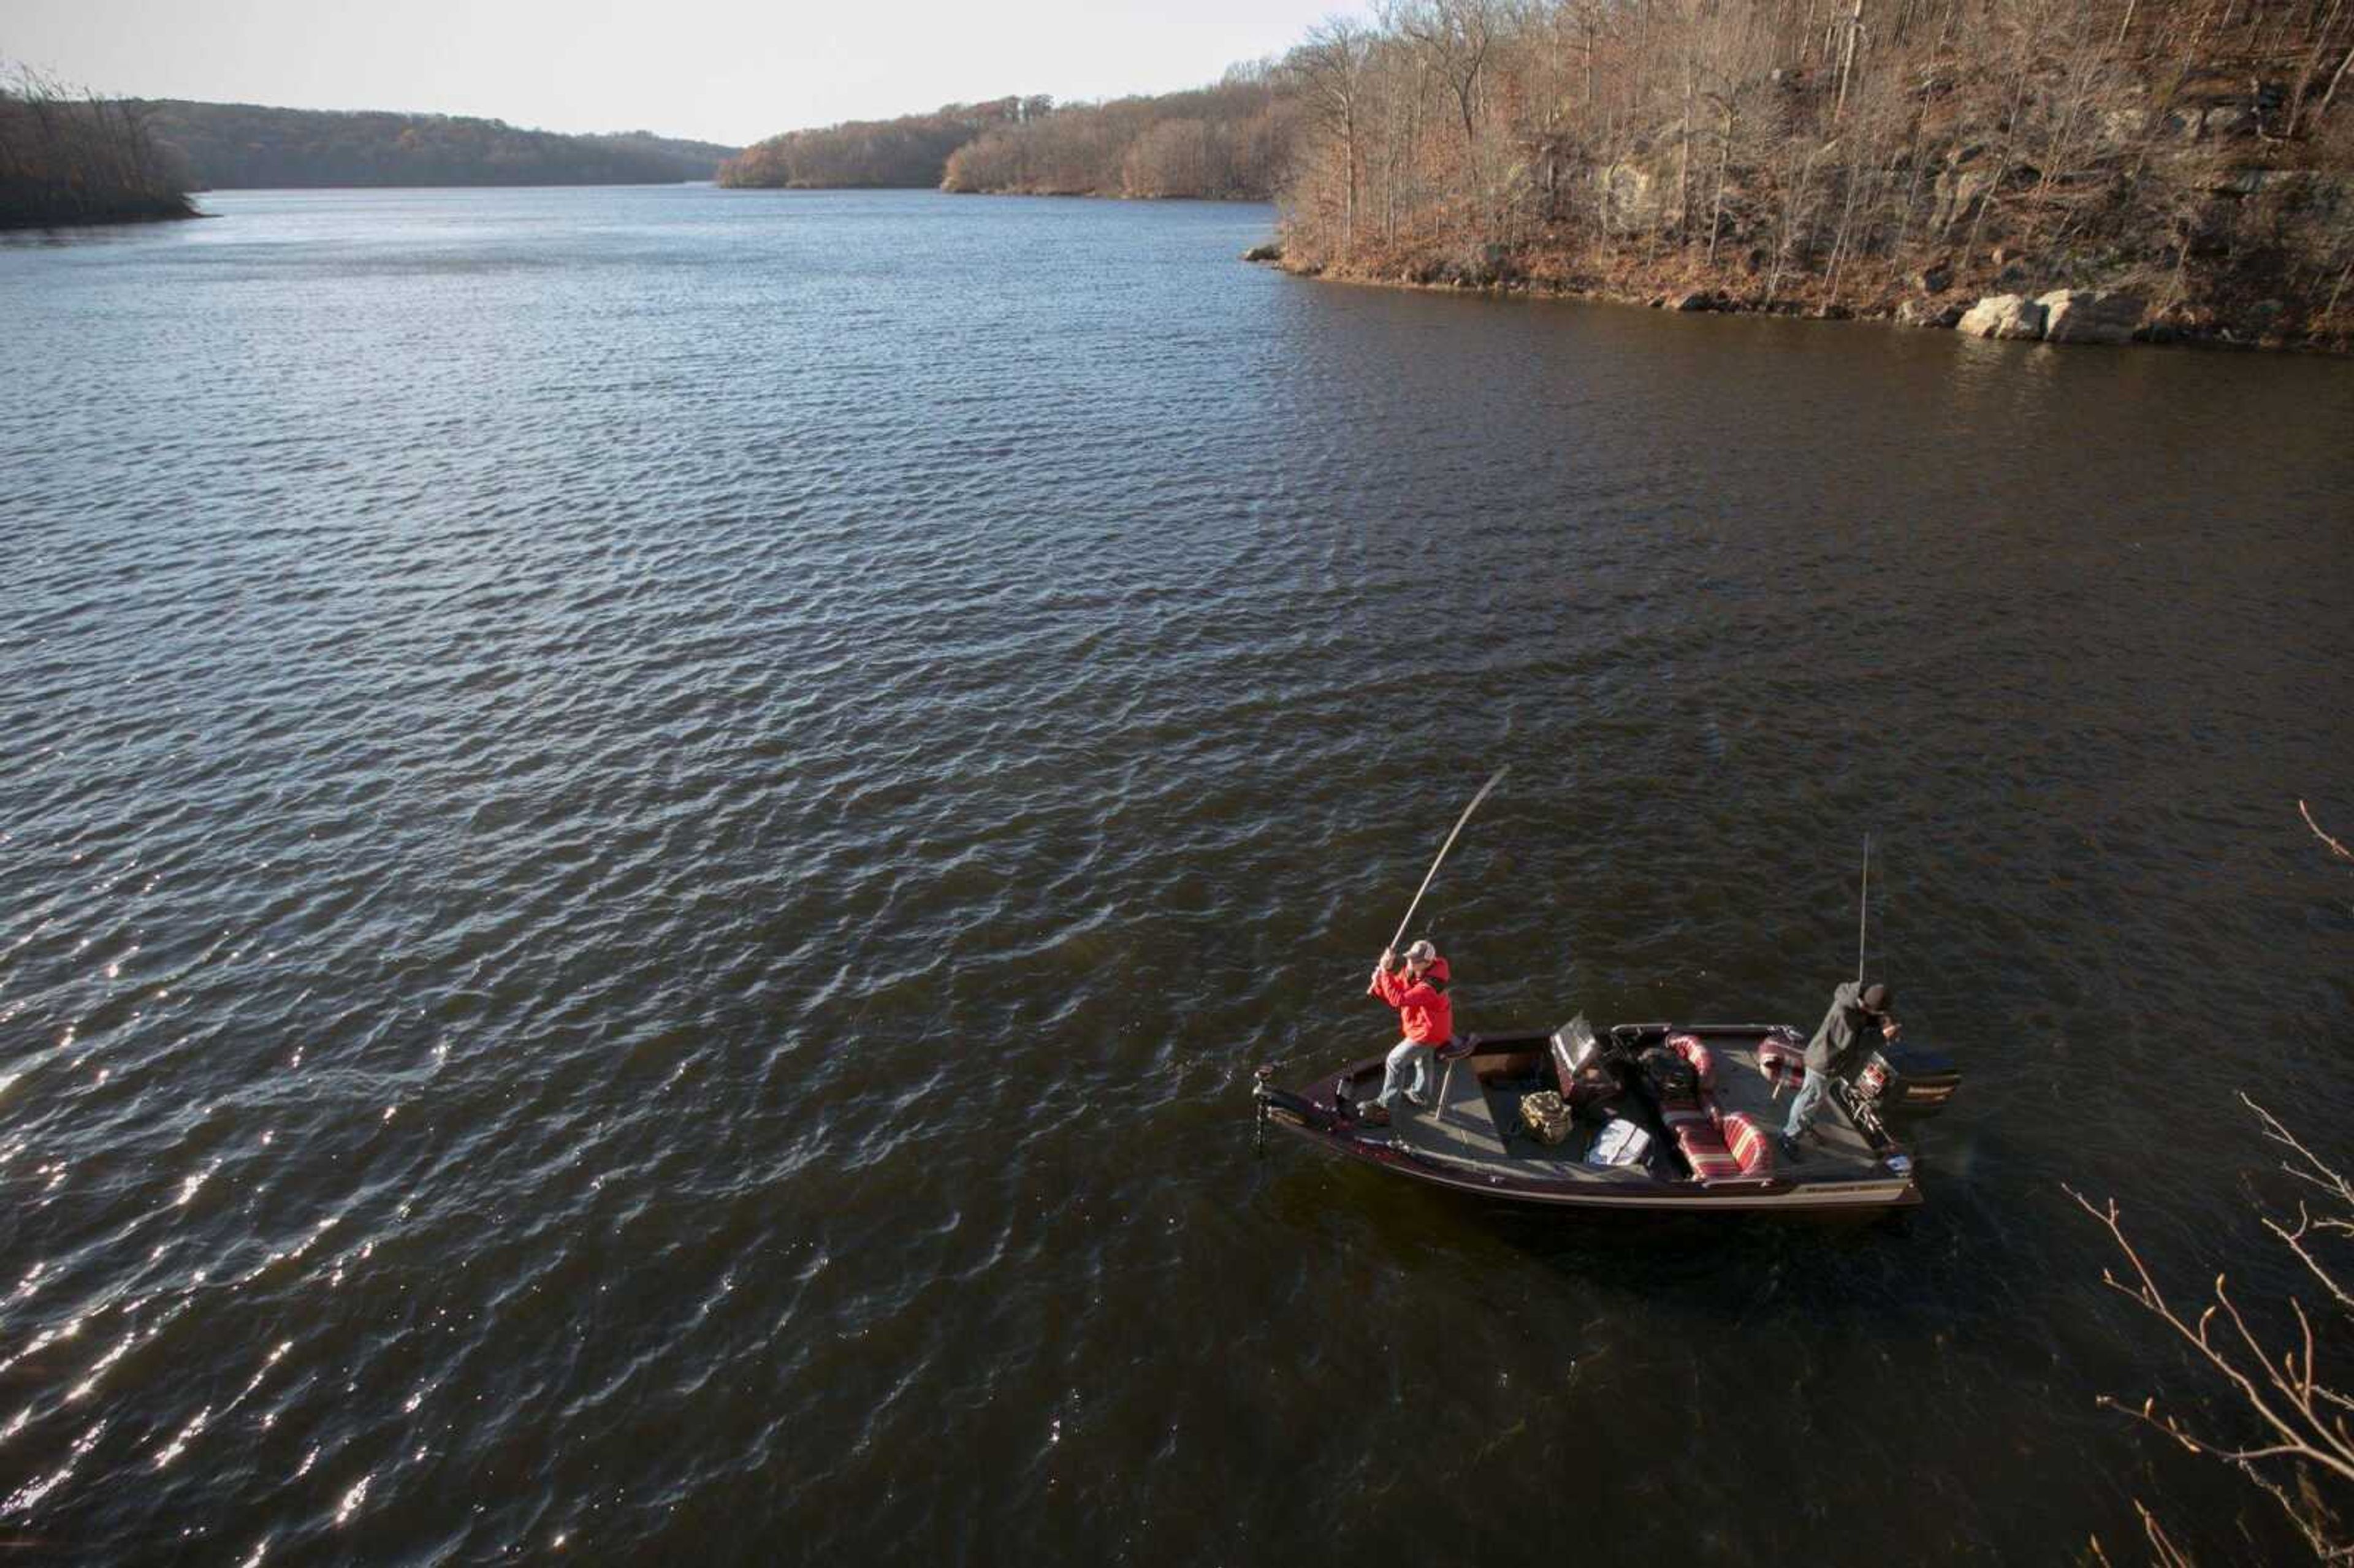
[647,837]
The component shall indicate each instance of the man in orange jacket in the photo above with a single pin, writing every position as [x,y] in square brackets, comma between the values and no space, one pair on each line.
[1418,991]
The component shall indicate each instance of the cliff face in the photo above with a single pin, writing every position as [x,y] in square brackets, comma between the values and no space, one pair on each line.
[1871,157]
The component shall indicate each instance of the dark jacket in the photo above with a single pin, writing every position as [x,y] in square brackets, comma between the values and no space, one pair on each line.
[1840,1044]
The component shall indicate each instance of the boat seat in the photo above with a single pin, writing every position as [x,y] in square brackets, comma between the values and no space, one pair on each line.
[1705,1150]
[1693,1049]
[1751,1150]
[1699,1106]
[1719,1145]
[1782,1061]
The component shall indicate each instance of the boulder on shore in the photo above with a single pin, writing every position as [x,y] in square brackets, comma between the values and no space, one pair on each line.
[1264,253]
[2085,316]
[1698,299]
[2003,316]
[1926,314]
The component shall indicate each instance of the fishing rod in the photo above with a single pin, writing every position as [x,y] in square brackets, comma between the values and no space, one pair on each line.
[1449,845]
[1863,909]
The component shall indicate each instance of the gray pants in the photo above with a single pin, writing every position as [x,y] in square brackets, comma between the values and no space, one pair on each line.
[1406,1056]
[1809,1103]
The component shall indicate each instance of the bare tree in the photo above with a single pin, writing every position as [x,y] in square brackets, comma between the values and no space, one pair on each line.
[1457,36]
[1331,66]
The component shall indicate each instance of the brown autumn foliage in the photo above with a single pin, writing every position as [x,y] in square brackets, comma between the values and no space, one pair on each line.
[1229,140]
[908,151]
[1826,154]
[69,158]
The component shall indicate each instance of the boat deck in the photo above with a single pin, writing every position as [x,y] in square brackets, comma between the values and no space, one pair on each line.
[1474,1124]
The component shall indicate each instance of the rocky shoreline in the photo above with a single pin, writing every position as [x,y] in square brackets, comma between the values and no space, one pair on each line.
[1930,299]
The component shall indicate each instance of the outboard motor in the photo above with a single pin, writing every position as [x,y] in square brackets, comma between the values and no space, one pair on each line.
[1906,1080]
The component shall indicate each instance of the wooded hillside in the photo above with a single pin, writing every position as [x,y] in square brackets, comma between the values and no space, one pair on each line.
[1843,155]
[906,152]
[1223,142]
[231,146]
[1220,142]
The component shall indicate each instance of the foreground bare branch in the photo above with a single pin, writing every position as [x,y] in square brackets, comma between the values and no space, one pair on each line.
[2301,1449]
[2340,850]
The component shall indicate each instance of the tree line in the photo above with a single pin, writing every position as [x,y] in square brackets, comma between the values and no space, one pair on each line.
[1836,154]
[69,157]
[246,147]
[906,152]
[1224,140]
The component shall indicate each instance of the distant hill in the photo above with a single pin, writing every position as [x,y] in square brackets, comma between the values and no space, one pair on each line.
[230,147]
[1221,142]
[907,153]
[703,157]
[1229,140]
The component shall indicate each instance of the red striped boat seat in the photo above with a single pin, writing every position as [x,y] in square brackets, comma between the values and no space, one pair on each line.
[1751,1150]
[1705,1150]
[1782,1062]
[1690,1048]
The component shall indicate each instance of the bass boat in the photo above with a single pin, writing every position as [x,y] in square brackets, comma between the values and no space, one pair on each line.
[1645,1117]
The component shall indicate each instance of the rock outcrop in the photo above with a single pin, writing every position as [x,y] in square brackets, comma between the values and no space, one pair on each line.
[2003,316]
[1927,313]
[2085,316]
[1264,253]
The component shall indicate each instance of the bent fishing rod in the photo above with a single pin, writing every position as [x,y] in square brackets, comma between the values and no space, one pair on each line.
[1449,845]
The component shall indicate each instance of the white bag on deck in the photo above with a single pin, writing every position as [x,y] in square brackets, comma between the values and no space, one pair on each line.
[1619,1143]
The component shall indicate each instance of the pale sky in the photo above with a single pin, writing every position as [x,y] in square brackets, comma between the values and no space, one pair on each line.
[725,70]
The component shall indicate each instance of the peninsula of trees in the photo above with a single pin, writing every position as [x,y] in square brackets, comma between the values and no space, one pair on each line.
[906,154]
[1227,141]
[2195,157]
[229,146]
[68,158]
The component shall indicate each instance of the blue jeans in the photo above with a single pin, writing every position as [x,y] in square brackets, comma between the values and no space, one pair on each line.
[1809,1102]
[1404,1054]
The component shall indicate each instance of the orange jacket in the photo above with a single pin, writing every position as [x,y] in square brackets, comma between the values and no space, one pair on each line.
[1424,1010]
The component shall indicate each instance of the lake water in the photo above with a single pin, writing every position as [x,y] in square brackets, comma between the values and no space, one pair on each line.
[647,837]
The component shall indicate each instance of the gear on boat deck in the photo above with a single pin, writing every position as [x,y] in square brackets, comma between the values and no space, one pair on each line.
[1474,1122]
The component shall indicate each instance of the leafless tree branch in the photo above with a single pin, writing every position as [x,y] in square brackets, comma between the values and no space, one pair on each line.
[2340,850]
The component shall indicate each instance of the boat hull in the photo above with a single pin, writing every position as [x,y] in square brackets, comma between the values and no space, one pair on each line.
[1462,1144]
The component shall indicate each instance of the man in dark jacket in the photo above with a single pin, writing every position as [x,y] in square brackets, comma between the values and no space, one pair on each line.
[1838,1047]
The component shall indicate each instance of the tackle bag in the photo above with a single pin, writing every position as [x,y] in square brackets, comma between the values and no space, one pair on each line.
[1546,1115]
